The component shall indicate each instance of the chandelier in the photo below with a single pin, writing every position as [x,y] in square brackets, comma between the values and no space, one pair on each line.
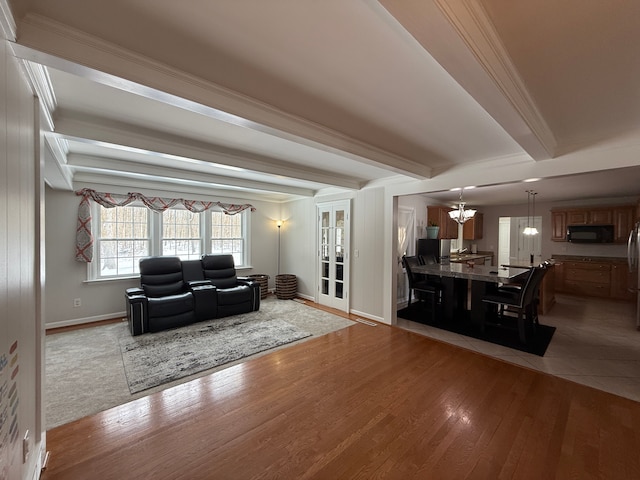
[531,200]
[461,215]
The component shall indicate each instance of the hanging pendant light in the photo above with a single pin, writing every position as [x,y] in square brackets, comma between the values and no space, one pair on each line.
[461,215]
[531,199]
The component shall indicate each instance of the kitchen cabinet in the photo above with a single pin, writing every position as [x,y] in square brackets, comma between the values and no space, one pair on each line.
[623,282]
[623,222]
[440,216]
[472,229]
[587,278]
[559,226]
[620,216]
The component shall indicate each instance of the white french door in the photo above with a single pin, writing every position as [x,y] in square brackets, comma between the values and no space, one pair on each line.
[333,254]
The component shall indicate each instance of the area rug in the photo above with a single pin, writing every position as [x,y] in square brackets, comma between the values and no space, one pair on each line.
[157,358]
[499,336]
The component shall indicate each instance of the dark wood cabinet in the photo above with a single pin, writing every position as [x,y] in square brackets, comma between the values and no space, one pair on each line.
[440,216]
[623,282]
[623,222]
[559,226]
[604,279]
[473,229]
[620,216]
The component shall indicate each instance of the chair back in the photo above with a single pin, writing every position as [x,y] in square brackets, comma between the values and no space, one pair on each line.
[220,270]
[530,288]
[161,276]
[428,260]
[409,263]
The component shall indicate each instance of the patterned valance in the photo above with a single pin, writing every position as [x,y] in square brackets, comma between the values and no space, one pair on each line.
[84,237]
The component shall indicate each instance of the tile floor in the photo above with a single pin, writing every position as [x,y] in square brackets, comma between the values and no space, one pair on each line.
[596,343]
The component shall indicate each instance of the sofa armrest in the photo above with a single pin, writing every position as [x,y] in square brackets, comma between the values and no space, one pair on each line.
[255,289]
[198,283]
[130,292]
[206,301]
[137,312]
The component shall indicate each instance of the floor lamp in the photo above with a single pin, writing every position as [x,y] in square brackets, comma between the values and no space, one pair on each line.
[279,224]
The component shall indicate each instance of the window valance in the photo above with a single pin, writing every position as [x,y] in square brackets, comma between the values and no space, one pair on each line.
[84,237]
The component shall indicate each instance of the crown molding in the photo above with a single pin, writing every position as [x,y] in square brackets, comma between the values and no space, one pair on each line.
[7,22]
[41,84]
[90,164]
[93,130]
[54,44]
[472,23]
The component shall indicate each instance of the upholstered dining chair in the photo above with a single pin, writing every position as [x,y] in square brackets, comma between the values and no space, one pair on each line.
[420,283]
[523,301]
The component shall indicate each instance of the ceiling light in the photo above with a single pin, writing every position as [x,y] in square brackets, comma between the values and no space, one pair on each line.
[461,215]
[531,199]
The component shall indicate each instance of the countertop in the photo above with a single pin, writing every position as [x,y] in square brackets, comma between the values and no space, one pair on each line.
[483,273]
[467,257]
[583,258]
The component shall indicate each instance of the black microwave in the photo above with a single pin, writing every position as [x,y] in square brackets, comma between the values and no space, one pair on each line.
[590,233]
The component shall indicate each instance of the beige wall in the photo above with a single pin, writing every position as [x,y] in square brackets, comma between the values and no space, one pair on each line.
[67,278]
[20,323]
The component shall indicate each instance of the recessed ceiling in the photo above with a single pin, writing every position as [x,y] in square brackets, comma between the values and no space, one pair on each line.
[293,98]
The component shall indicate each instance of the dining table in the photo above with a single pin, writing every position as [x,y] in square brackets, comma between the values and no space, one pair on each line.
[461,281]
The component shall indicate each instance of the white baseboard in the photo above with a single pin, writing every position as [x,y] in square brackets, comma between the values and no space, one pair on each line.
[80,321]
[368,315]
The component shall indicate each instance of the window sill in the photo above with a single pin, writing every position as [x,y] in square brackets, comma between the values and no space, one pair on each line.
[112,279]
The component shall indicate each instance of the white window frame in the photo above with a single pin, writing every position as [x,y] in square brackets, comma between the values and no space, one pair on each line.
[155,240]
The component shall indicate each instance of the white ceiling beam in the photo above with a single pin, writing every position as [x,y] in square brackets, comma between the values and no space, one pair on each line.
[50,43]
[90,163]
[460,36]
[95,130]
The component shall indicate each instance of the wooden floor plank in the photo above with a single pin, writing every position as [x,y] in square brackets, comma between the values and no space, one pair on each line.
[363,402]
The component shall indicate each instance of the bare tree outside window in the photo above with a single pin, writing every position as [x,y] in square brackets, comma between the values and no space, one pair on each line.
[227,236]
[123,239]
[181,234]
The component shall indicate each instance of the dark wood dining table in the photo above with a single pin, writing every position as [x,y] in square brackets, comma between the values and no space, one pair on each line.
[455,279]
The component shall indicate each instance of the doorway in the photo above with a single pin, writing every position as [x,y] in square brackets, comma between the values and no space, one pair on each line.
[515,248]
[333,254]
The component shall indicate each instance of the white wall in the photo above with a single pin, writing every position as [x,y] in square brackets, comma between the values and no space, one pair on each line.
[66,278]
[21,340]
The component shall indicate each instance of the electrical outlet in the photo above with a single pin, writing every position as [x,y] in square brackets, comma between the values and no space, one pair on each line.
[77,302]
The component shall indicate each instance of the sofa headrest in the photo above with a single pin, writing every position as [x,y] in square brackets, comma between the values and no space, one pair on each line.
[161,276]
[220,270]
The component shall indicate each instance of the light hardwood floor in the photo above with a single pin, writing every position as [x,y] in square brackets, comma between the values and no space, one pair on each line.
[361,403]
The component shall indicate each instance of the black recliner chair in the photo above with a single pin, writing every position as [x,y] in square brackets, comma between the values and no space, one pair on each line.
[174,293]
[164,300]
[234,294]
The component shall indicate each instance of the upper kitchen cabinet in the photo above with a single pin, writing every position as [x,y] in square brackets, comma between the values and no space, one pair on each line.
[440,216]
[558,226]
[623,222]
[472,229]
[620,216]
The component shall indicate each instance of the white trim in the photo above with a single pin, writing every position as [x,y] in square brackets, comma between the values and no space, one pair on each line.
[81,321]
[40,81]
[7,22]
[60,46]
[471,21]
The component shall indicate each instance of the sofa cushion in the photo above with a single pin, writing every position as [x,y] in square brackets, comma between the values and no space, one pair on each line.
[171,305]
[161,276]
[232,296]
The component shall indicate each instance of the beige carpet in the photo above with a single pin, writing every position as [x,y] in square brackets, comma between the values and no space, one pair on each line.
[85,372]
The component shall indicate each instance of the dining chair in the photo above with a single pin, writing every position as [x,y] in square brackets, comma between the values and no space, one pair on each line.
[419,283]
[523,301]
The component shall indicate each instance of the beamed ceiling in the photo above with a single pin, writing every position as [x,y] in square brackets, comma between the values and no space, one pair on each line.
[283,99]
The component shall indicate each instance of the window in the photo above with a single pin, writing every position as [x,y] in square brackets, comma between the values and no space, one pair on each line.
[227,235]
[181,234]
[124,235]
[122,240]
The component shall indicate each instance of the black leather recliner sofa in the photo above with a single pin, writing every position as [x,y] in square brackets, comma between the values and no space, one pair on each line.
[174,293]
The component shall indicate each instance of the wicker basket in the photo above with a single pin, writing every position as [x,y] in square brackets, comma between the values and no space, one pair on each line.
[263,280]
[286,286]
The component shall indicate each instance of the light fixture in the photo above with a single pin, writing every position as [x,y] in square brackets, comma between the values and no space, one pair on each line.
[461,215]
[279,225]
[531,199]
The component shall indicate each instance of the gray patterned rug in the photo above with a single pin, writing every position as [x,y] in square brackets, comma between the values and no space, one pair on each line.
[157,358]
[85,372]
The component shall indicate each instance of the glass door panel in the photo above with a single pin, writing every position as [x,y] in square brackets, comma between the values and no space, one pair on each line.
[333,243]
